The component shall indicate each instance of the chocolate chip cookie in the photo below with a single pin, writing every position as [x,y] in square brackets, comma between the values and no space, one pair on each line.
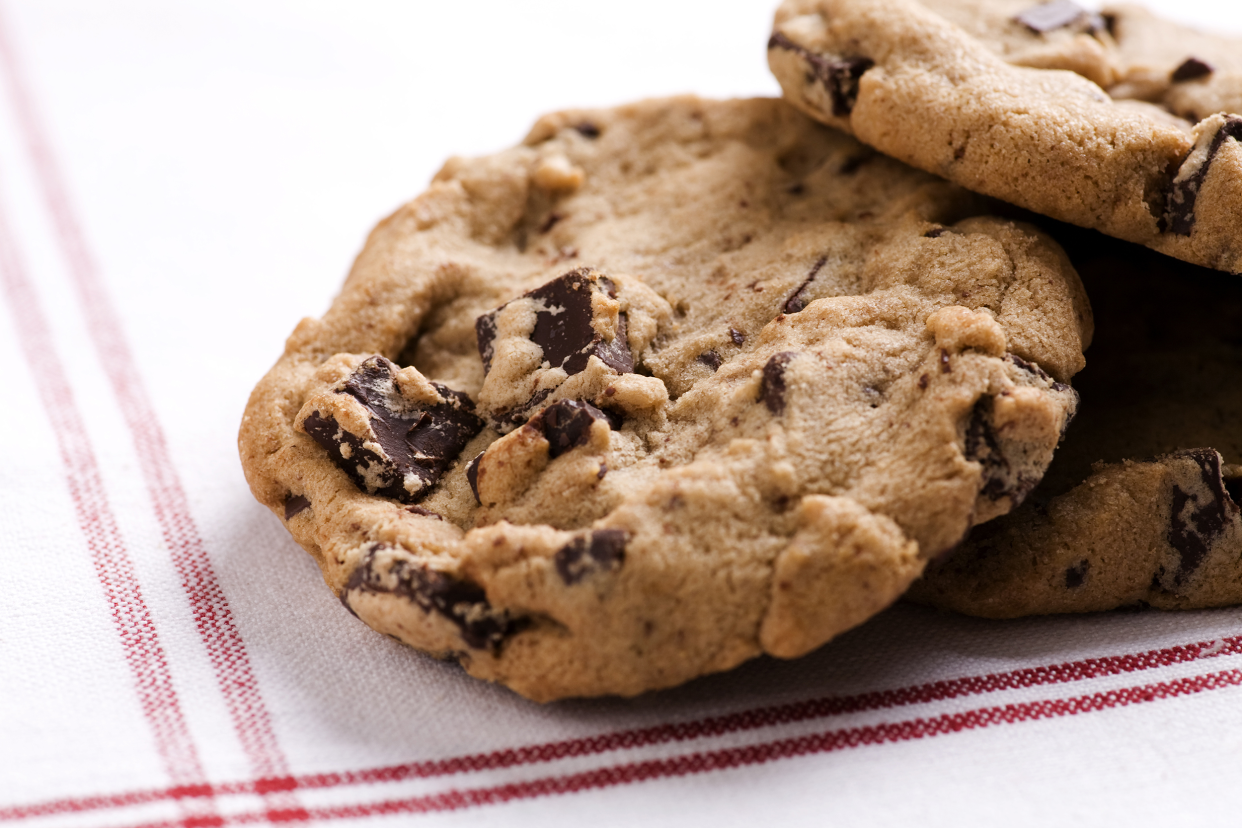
[1140,505]
[661,389]
[1116,121]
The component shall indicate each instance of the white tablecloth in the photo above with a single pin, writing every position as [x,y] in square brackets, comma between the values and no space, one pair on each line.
[179,184]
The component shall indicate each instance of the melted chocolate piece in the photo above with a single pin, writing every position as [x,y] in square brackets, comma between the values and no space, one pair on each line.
[797,300]
[295,505]
[1076,575]
[588,130]
[567,424]
[472,476]
[1179,216]
[772,390]
[1058,14]
[419,510]
[711,359]
[1195,525]
[563,329]
[840,77]
[737,336]
[421,443]
[935,233]
[603,549]
[1192,69]
[464,603]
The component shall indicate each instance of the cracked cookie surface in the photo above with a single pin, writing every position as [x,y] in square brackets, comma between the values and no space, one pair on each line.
[662,389]
[1140,505]
[1117,121]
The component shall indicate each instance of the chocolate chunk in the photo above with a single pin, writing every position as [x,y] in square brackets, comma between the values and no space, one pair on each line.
[472,476]
[1194,525]
[416,444]
[1076,574]
[567,424]
[945,367]
[419,510]
[737,336]
[485,334]
[1192,69]
[935,233]
[1058,14]
[295,505]
[772,390]
[711,359]
[983,447]
[588,130]
[563,326]
[840,77]
[461,602]
[1179,216]
[797,300]
[603,549]
[1029,367]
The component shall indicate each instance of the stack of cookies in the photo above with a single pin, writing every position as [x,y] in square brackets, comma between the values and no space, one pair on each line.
[676,384]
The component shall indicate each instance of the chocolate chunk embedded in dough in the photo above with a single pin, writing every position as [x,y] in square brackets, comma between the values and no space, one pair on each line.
[840,77]
[295,505]
[1192,69]
[461,602]
[563,326]
[1199,517]
[1179,214]
[567,424]
[603,549]
[407,448]
[772,391]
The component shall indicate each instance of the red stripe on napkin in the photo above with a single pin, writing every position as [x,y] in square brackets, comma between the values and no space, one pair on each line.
[144,654]
[217,629]
[828,707]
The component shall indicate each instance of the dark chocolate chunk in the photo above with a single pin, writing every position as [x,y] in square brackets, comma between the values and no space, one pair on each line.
[711,359]
[1076,575]
[414,442]
[419,510]
[465,604]
[603,549]
[1029,367]
[797,300]
[772,390]
[840,76]
[1179,215]
[485,333]
[588,130]
[472,476]
[935,233]
[945,367]
[567,424]
[563,329]
[1196,520]
[737,336]
[295,505]
[1192,69]
[983,447]
[1058,14]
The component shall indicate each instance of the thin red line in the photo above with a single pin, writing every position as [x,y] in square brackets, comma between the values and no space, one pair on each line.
[214,618]
[661,734]
[707,761]
[144,653]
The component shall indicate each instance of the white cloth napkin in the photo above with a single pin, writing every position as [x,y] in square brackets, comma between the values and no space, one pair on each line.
[179,184]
